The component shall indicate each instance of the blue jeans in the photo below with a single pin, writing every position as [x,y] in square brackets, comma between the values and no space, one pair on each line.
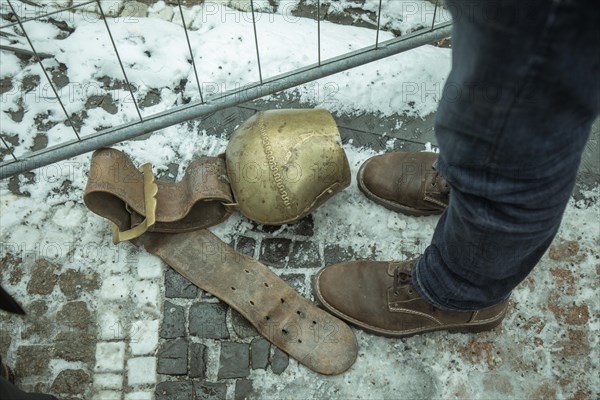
[512,125]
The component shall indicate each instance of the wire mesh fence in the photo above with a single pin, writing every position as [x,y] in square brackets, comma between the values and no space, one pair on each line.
[116,25]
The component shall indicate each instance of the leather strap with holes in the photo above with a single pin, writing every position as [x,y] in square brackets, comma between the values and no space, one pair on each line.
[119,191]
[166,219]
[312,336]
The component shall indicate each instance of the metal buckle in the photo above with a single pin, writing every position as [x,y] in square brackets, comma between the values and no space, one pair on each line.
[150,191]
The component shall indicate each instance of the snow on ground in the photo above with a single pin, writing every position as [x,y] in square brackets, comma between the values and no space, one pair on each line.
[156,56]
[54,223]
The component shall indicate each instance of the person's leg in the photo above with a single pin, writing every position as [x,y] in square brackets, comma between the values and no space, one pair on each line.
[512,125]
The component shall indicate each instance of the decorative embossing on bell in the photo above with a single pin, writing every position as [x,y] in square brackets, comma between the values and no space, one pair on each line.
[282,164]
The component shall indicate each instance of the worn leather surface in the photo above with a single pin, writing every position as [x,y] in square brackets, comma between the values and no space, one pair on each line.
[115,190]
[312,336]
[203,198]
[405,182]
[364,294]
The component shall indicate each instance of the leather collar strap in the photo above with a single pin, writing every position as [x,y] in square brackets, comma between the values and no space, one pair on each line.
[312,336]
[120,192]
[166,219]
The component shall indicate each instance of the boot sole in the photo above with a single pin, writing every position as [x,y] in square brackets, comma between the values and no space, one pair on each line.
[390,205]
[482,326]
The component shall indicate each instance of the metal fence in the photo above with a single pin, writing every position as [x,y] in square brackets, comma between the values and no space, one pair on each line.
[204,106]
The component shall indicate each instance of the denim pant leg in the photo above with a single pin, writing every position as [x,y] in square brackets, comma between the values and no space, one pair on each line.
[512,124]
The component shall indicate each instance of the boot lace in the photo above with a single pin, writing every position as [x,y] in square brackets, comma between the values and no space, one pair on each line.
[439,180]
[401,278]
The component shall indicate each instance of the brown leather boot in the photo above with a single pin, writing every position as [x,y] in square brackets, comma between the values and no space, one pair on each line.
[405,182]
[378,297]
